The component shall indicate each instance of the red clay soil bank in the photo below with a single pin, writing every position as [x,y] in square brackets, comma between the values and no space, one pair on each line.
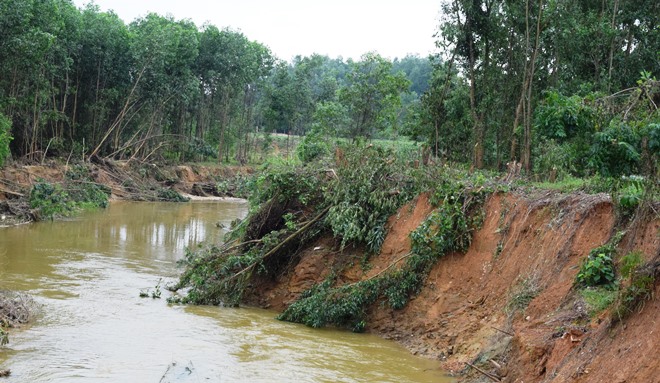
[462,315]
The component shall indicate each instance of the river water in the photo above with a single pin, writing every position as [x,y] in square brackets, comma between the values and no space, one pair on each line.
[86,274]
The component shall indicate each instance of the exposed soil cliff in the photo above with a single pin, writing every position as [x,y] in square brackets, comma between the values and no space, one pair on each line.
[528,247]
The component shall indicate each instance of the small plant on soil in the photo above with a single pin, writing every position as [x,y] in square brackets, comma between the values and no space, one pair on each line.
[598,267]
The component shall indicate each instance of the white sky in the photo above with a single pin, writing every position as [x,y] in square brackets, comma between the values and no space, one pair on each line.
[346,28]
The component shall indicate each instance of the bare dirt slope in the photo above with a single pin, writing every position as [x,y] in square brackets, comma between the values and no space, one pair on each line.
[466,313]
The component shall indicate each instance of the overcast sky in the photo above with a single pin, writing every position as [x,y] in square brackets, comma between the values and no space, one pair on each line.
[346,28]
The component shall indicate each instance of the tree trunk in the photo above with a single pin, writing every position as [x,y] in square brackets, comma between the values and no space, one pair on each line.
[527,153]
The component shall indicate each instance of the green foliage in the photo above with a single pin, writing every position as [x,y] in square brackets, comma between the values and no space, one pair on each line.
[312,147]
[552,157]
[597,270]
[369,187]
[562,118]
[598,267]
[447,229]
[5,138]
[282,198]
[343,306]
[372,95]
[50,200]
[286,183]
[171,195]
[154,294]
[77,192]
[564,126]
[654,138]
[237,186]
[615,151]
[628,194]
[629,264]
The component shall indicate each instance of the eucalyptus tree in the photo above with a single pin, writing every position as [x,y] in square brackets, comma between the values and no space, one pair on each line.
[371,95]
[102,75]
[229,66]
[163,84]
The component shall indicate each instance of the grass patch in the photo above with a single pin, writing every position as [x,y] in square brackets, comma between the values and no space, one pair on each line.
[598,299]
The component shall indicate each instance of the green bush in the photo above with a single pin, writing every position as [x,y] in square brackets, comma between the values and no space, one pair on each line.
[597,270]
[639,288]
[286,183]
[629,194]
[568,123]
[50,200]
[598,267]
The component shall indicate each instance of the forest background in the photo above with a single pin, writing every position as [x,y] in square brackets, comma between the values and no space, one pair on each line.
[564,88]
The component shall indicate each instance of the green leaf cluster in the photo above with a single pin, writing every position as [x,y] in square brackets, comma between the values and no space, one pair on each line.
[370,186]
[640,282]
[598,268]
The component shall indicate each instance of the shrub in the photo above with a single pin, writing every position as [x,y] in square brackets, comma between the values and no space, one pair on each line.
[628,194]
[77,192]
[50,200]
[615,151]
[598,299]
[598,267]
[312,147]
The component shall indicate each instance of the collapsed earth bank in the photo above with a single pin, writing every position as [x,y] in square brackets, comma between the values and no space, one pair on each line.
[509,305]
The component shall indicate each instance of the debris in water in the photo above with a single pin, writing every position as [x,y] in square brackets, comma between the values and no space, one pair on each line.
[175,373]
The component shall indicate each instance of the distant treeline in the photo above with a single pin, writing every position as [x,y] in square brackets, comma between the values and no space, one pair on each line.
[561,87]
[81,81]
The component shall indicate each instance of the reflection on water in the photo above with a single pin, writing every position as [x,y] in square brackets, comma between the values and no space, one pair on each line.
[87,272]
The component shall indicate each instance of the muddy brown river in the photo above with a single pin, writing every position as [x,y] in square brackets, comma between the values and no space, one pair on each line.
[86,274]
